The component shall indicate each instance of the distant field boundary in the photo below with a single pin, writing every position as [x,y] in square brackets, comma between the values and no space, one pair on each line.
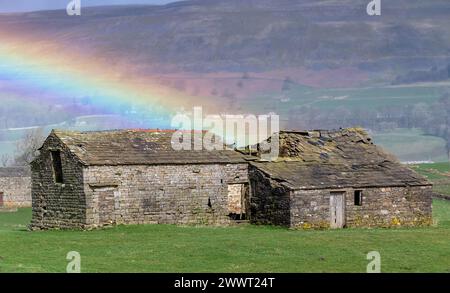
[441,196]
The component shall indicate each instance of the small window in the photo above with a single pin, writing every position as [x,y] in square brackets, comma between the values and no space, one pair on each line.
[209,202]
[358,197]
[57,166]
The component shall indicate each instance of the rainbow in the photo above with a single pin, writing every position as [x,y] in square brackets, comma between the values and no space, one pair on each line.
[38,66]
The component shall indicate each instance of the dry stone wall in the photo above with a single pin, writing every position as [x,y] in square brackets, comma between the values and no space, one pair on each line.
[16,191]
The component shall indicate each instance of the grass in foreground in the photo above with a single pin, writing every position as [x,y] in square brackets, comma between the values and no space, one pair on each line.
[168,248]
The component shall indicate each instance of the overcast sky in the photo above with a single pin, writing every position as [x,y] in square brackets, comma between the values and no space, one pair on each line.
[31,5]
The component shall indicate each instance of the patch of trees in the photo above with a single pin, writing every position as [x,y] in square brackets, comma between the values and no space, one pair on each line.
[26,149]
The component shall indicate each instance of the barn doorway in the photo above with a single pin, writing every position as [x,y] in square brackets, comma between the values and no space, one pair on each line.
[1,199]
[237,201]
[105,203]
[337,210]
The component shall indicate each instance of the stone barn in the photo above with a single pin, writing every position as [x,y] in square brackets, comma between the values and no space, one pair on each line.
[15,187]
[336,179]
[322,179]
[128,177]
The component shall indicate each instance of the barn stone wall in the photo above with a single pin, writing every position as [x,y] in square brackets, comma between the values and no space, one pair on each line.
[57,205]
[269,201]
[381,207]
[92,196]
[16,191]
[169,194]
[273,202]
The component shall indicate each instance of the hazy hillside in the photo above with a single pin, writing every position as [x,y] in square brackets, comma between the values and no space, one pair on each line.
[254,35]
[319,64]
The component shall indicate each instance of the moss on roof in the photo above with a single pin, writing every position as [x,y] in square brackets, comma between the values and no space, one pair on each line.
[137,147]
[308,159]
[336,159]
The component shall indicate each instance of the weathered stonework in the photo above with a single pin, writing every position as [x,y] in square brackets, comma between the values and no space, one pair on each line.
[336,179]
[269,201]
[57,205]
[169,194]
[381,207]
[278,204]
[94,196]
[15,187]
[94,179]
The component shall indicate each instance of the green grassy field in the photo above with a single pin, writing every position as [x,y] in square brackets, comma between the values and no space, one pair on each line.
[168,248]
[438,173]
[412,145]
[351,98]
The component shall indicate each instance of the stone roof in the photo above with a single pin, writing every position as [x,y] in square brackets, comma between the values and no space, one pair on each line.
[137,147]
[15,172]
[336,159]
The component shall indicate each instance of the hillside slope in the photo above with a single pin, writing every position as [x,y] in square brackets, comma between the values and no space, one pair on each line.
[253,35]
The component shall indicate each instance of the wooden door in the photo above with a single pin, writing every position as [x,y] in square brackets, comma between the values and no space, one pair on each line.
[337,210]
[105,205]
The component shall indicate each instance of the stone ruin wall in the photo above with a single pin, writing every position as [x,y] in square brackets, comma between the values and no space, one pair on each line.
[171,194]
[269,201]
[160,194]
[57,205]
[16,192]
[198,194]
[381,207]
[274,203]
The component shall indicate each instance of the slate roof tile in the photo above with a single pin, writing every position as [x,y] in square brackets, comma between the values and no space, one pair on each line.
[137,147]
[344,158]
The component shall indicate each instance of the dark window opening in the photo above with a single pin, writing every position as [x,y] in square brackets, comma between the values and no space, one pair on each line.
[237,217]
[209,202]
[57,166]
[358,197]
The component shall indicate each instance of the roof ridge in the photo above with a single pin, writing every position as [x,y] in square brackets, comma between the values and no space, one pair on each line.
[126,130]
